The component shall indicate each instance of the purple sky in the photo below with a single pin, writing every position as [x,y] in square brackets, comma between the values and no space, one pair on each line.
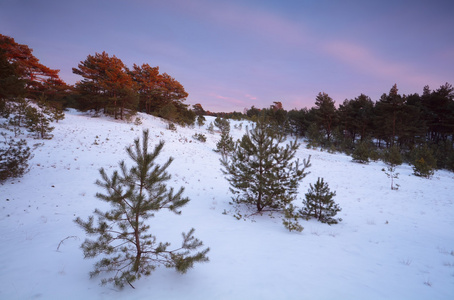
[230,55]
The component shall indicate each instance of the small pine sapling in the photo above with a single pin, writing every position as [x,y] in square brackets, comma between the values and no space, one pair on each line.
[361,154]
[264,175]
[14,157]
[225,145]
[222,124]
[122,234]
[38,122]
[424,162]
[200,120]
[319,203]
[393,159]
[53,109]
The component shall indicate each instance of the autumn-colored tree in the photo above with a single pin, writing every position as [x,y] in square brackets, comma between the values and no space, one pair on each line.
[160,94]
[146,79]
[37,77]
[171,93]
[106,84]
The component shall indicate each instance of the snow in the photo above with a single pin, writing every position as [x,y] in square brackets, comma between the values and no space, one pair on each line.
[390,244]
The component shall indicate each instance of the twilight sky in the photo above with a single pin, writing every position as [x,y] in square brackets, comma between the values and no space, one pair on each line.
[232,54]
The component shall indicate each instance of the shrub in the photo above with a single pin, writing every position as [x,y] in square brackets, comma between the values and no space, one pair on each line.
[200,137]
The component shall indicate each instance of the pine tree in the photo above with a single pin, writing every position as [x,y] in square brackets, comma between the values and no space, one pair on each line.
[262,174]
[122,234]
[222,124]
[424,162]
[210,128]
[393,159]
[38,122]
[225,145]
[319,203]
[14,157]
[361,153]
[200,120]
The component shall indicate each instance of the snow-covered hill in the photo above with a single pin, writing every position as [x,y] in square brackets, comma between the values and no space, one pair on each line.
[390,244]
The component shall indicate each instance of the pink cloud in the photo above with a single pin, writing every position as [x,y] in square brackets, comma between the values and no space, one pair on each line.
[365,60]
[250,97]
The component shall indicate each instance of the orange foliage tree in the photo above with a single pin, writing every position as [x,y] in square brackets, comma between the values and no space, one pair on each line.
[38,78]
[106,84]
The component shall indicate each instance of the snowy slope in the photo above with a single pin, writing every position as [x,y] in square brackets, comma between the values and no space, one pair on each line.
[390,244]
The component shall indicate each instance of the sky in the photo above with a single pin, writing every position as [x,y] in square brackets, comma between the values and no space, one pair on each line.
[231,55]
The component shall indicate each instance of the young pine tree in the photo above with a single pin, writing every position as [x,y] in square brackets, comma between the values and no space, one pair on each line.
[38,122]
[319,203]
[424,163]
[200,120]
[210,128]
[14,157]
[262,174]
[122,234]
[225,145]
[361,153]
[393,158]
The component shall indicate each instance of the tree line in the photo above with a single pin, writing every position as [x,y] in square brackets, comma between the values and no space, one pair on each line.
[408,122]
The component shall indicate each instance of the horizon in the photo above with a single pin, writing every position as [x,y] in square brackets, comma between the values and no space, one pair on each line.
[234,55]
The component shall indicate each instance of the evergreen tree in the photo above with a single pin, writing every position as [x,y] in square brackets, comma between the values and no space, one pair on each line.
[222,124]
[361,153]
[326,116]
[106,84]
[38,122]
[356,117]
[122,234]
[298,121]
[389,116]
[37,77]
[14,157]
[210,128]
[262,174]
[19,109]
[319,203]
[314,136]
[225,144]
[393,158]
[423,162]
[200,120]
